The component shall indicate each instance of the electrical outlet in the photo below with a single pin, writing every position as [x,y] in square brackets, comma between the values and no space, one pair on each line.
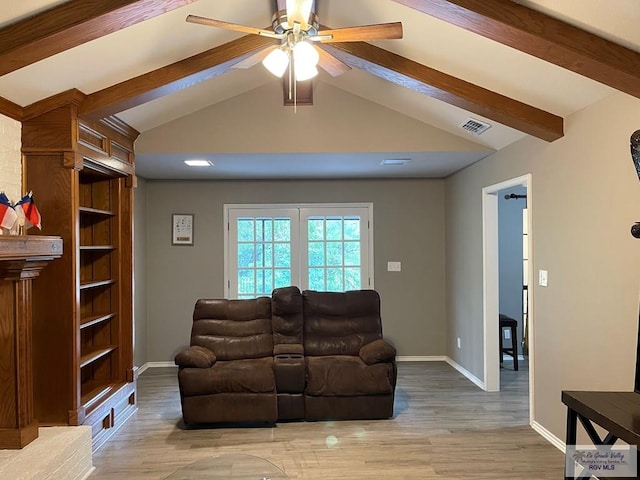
[507,334]
[459,343]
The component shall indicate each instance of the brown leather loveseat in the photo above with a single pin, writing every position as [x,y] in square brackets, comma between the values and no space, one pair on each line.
[320,356]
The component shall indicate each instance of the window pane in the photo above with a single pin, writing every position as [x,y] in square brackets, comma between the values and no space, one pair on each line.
[246,282]
[245,230]
[316,278]
[282,278]
[268,255]
[316,254]
[282,255]
[264,230]
[334,253]
[282,230]
[352,279]
[245,255]
[259,255]
[352,229]
[334,280]
[260,281]
[268,281]
[352,253]
[334,229]
[316,229]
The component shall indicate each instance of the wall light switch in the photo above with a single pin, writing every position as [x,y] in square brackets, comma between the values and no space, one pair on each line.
[394,266]
[542,278]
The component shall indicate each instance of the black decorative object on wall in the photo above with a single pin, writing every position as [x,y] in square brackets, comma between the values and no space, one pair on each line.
[635,150]
[635,231]
[635,156]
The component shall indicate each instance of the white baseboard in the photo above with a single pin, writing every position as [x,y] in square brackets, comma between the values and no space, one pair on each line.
[155,365]
[432,358]
[465,372]
[550,437]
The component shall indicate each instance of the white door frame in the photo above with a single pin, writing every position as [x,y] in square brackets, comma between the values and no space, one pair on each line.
[490,284]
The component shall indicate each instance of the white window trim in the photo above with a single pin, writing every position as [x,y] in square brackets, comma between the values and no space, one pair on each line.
[287,206]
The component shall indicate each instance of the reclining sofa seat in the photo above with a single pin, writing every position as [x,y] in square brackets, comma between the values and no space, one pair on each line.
[350,370]
[227,374]
[311,355]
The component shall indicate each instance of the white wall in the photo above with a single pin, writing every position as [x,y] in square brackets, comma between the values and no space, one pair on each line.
[585,195]
[10,158]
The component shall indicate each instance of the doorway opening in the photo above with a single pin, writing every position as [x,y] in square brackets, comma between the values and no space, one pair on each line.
[519,305]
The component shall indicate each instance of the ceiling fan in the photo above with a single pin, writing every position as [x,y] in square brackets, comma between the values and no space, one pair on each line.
[296,24]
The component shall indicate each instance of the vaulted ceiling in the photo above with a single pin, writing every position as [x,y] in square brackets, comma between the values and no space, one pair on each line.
[520,66]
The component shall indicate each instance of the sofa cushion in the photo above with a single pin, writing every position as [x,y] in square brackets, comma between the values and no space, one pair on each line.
[344,375]
[233,329]
[377,351]
[195,357]
[340,323]
[237,376]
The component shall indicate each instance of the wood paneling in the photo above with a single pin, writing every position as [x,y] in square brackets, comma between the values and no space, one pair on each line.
[542,36]
[452,90]
[71,24]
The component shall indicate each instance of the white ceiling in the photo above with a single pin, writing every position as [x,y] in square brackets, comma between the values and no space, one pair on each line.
[168,38]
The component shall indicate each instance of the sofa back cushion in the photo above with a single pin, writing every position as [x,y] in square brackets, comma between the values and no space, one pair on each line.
[233,329]
[286,314]
[340,323]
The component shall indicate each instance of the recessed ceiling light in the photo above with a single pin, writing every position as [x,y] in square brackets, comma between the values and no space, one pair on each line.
[395,161]
[199,163]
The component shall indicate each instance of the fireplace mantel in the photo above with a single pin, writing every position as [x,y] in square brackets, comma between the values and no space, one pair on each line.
[22,258]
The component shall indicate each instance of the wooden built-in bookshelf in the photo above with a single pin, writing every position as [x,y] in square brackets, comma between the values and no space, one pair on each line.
[83,318]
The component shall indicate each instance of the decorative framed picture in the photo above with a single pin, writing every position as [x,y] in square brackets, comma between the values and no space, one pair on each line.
[182,229]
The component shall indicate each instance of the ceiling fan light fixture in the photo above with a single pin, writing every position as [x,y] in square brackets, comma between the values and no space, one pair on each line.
[305,72]
[305,59]
[276,62]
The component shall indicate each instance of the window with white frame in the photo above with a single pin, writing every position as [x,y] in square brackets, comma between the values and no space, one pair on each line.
[325,247]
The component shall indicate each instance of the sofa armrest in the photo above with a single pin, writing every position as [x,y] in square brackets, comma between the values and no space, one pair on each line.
[195,356]
[377,351]
[288,349]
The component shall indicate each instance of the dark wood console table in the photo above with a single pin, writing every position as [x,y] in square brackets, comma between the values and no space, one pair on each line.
[617,412]
[21,260]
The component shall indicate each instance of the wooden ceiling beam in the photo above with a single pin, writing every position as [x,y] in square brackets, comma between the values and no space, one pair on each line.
[454,91]
[172,78]
[542,36]
[71,24]
[10,109]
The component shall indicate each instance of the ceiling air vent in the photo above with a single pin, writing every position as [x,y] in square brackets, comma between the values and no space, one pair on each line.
[474,126]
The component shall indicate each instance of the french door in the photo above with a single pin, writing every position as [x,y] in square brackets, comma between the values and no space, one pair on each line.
[318,247]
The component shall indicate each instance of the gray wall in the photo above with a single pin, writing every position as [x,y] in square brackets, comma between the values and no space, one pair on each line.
[408,227]
[140,356]
[584,197]
[510,254]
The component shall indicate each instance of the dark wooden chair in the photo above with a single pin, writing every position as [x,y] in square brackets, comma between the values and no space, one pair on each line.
[511,323]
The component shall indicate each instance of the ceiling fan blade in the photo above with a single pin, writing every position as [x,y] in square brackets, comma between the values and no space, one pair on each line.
[255,58]
[299,11]
[211,22]
[379,31]
[331,64]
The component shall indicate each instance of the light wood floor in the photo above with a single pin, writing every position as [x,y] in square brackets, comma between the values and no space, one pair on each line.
[444,428]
